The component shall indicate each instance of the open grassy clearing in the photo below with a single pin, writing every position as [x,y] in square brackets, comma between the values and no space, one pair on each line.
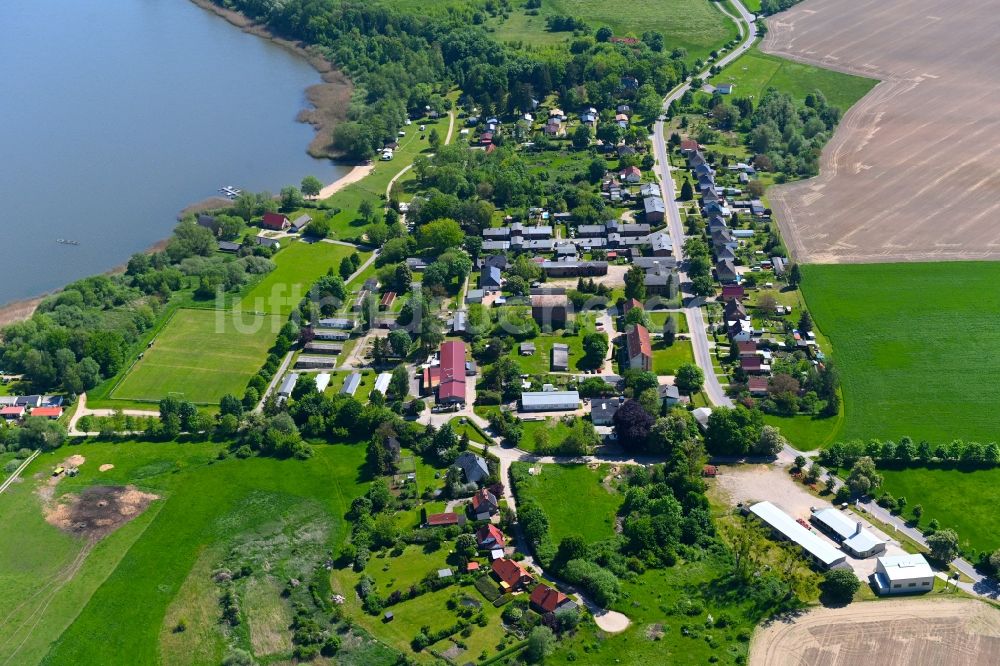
[807,432]
[915,345]
[658,319]
[963,500]
[575,501]
[694,25]
[666,359]
[116,602]
[201,354]
[298,266]
[755,72]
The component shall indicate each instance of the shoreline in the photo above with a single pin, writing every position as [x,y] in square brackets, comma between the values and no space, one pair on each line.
[329,99]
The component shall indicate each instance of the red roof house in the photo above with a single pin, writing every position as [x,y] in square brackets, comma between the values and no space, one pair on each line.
[489,537]
[275,222]
[751,363]
[630,174]
[47,412]
[688,146]
[731,291]
[640,349]
[545,599]
[757,385]
[451,388]
[484,503]
[511,575]
[472,566]
[632,303]
[486,138]
[442,519]
[748,348]
[11,412]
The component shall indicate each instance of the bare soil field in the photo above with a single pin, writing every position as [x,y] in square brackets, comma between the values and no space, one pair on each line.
[912,632]
[98,510]
[912,173]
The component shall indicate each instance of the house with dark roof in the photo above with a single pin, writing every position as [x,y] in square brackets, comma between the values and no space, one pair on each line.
[640,349]
[274,222]
[732,292]
[560,357]
[661,244]
[659,282]
[752,364]
[725,271]
[511,575]
[473,467]
[653,209]
[497,261]
[550,310]
[490,278]
[603,410]
[669,394]
[229,246]
[489,537]
[734,310]
[484,504]
[301,222]
[757,385]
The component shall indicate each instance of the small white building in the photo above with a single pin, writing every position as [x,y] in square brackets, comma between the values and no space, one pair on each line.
[288,385]
[322,381]
[550,401]
[903,574]
[382,382]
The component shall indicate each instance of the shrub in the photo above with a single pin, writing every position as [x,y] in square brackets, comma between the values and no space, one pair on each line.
[840,585]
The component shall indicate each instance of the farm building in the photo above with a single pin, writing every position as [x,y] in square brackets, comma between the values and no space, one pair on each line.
[322,381]
[315,362]
[853,537]
[783,525]
[549,401]
[351,385]
[323,348]
[382,382]
[288,385]
[903,574]
[560,357]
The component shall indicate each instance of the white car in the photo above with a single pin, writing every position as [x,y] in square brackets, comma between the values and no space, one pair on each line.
[422,128]
[401,133]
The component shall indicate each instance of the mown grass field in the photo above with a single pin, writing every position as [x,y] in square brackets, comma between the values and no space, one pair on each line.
[575,501]
[66,602]
[963,500]
[806,432]
[666,359]
[298,266]
[915,345]
[694,25]
[756,71]
[202,355]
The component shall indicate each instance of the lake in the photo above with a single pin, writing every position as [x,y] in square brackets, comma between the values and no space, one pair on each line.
[115,115]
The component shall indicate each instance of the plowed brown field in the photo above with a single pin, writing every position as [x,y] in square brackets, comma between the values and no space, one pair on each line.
[913,171]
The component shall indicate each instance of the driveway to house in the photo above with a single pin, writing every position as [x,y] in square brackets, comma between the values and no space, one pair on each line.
[81,411]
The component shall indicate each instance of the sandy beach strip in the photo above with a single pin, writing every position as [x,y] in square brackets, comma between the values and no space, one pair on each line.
[352,176]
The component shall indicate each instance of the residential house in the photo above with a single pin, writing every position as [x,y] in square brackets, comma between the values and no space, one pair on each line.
[496,233]
[640,350]
[778,266]
[753,365]
[660,282]
[748,348]
[654,210]
[757,386]
[603,410]
[661,244]
[630,304]
[669,394]
[630,175]
[12,413]
[451,386]
[489,537]
[511,575]
[444,519]
[731,292]
[474,296]
[703,170]
[591,230]
[484,504]
[725,271]
[301,222]
[695,158]
[267,241]
[622,120]
[650,190]
[207,221]
[545,599]
[689,146]
[274,222]
[229,246]
[486,138]
[739,331]
[473,467]
[497,261]
[489,279]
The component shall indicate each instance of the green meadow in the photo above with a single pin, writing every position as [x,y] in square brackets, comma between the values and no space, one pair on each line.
[72,600]
[575,500]
[915,346]
[202,355]
[756,71]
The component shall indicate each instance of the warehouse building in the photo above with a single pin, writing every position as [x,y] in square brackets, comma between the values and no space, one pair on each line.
[550,401]
[852,535]
[903,574]
[783,525]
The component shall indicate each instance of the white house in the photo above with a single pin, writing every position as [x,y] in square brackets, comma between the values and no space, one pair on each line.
[903,574]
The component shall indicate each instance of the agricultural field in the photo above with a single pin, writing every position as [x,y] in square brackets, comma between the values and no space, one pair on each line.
[945,495]
[755,72]
[904,632]
[564,490]
[906,157]
[89,594]
[298,266]
[201,355]
[693,25]
[914,345]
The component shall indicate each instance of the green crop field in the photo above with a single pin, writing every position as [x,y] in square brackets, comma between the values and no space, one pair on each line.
[915,345]
[965,501]
[694,25]
[755,72]
[201,354]
[298,266]
[68,600]
[575,501]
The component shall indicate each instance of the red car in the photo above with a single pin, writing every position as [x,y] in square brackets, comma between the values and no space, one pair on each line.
[804,523]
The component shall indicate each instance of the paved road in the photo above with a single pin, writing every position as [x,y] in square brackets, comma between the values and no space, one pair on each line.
[81,411]
[285,362]
[696,322]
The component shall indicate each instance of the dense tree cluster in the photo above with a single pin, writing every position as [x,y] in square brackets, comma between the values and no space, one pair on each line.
[907,452]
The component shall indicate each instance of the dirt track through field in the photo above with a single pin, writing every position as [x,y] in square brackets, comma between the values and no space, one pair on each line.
[912,632]
[912,173]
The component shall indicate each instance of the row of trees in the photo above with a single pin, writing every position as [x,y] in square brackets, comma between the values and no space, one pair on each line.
[907,452]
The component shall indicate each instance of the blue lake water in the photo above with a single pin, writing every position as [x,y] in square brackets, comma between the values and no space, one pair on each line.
[116,114]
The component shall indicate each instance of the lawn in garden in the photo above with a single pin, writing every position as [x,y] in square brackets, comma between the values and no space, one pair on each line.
[915,346]
[575,500]
[666,359]
[201,355]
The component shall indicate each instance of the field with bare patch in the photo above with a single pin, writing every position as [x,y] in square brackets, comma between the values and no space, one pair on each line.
[912,632]
[912,173]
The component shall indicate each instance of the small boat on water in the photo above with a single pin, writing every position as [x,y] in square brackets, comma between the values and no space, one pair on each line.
[230,191]
[65,241]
